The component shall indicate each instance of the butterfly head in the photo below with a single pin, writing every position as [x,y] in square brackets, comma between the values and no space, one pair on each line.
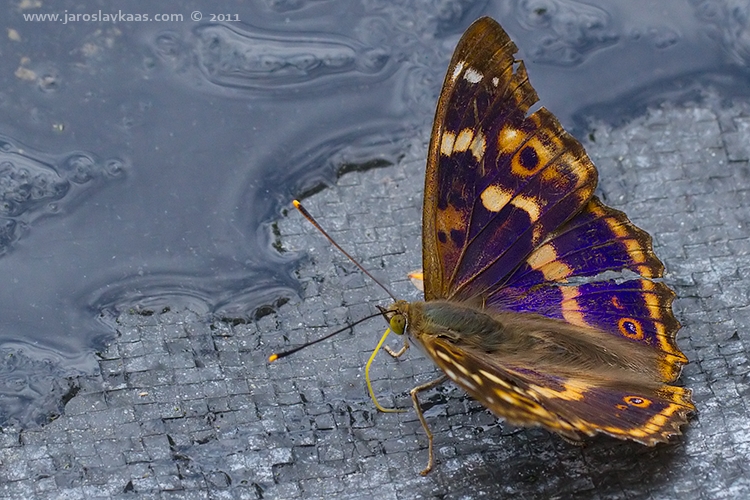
[397,316]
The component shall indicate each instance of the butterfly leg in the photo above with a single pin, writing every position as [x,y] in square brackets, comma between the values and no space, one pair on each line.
[400,352]
[418,408]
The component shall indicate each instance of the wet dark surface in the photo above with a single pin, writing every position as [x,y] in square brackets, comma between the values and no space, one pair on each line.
[143,163]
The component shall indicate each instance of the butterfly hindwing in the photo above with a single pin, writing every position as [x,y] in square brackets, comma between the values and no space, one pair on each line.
[596,240]
[637,310]
[571,404]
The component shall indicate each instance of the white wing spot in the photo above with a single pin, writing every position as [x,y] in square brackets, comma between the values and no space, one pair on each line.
[445,357]
[494,378]
[509,138]
[529,204]
[494,198]
[468,383]
[462,369]
[543,255]
[478,146]
[457,70]
[463,141]
[473,76]
[466,140]
[544,258]
[570,308]
[495,81]
[446,143]
[507,398]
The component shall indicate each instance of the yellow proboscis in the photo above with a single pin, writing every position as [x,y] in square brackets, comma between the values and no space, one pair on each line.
[369,383]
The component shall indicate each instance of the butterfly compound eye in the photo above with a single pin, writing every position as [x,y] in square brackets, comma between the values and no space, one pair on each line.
[398,323]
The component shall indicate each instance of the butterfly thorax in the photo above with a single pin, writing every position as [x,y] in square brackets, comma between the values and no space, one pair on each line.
[556,347]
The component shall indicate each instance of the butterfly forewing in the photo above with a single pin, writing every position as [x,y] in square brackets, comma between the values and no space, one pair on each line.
[459,101]
[497,180]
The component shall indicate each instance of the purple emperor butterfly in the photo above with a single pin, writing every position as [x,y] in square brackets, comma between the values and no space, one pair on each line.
[514,243]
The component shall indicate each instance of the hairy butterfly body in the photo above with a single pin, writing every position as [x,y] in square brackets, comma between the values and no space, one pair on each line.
[509,218]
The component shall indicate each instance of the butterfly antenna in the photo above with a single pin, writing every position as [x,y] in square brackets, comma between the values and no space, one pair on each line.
[312,221]
[278,355]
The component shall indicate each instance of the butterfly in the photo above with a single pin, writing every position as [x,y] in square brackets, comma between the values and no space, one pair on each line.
[514,246]
[517,307]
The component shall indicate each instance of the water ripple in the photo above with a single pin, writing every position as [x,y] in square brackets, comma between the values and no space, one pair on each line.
[264,60]
[568,30]
[34,184]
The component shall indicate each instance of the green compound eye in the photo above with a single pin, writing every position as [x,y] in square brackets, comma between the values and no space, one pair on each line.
[398,323]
